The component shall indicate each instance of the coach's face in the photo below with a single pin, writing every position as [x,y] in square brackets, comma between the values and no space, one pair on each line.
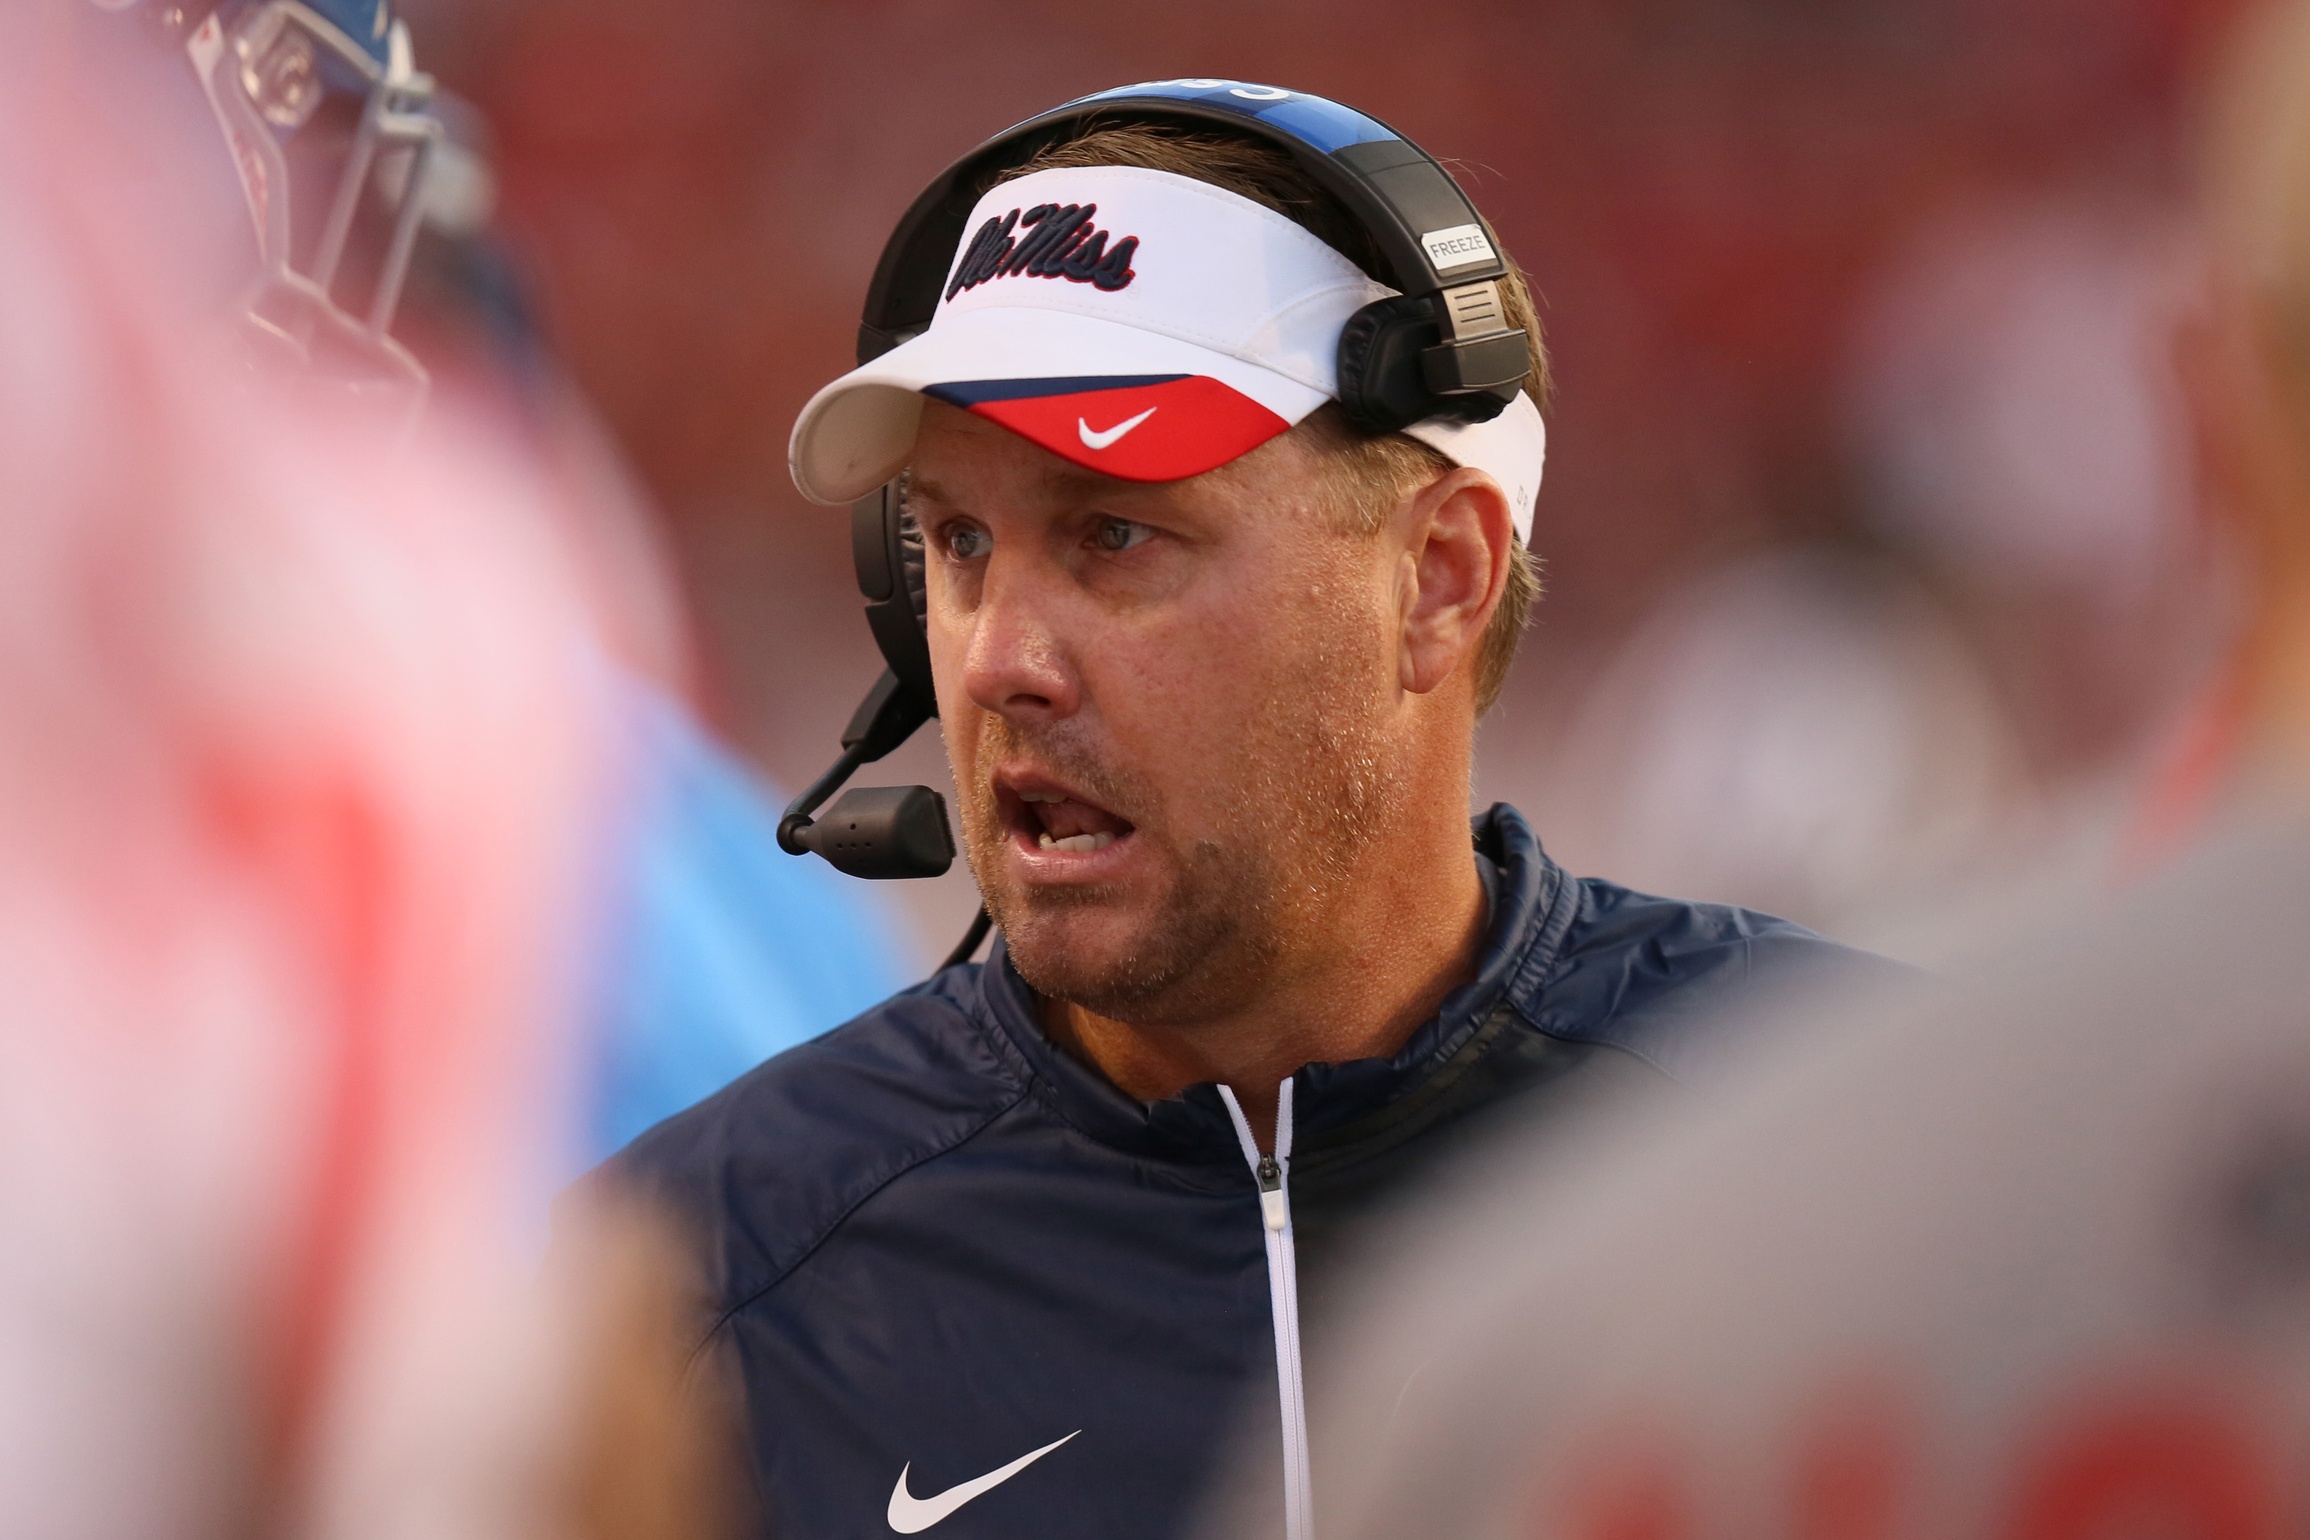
[1170,708]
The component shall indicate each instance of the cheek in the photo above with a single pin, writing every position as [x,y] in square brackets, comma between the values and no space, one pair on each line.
[947,641]
[948,628]
[1221,670]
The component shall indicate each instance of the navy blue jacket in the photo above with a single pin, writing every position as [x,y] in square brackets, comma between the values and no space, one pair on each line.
[935,1244]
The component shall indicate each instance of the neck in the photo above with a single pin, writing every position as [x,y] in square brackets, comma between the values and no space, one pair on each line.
[1403,933]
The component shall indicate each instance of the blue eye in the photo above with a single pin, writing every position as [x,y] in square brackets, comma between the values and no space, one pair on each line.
[968,542]
[1120,534]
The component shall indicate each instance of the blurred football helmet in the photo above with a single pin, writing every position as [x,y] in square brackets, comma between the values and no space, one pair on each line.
[333,132]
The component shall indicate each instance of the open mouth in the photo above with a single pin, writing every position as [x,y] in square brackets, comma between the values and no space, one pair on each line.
[1045,818]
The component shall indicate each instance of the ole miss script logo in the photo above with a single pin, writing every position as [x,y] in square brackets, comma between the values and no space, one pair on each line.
[1059,243]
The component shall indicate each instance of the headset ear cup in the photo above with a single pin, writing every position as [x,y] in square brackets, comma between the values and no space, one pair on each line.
[913,558]
[1382,386]
[888,552]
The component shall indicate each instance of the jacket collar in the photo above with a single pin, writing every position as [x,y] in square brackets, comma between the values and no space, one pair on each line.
[1532,904]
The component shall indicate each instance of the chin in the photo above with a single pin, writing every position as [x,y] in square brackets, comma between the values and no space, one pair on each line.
[1076,951]
[1098,962]
[1154,967]
[1151,943]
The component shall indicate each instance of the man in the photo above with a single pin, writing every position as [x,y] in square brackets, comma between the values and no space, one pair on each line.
[1009,1253]
[2024,1259]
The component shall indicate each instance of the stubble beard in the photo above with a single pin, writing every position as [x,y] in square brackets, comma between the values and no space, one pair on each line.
[1317,787]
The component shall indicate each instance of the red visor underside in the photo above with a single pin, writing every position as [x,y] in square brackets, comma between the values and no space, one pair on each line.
[1162,432]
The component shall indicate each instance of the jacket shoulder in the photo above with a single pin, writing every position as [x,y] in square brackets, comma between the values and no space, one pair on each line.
[1651,975]
[761,1172]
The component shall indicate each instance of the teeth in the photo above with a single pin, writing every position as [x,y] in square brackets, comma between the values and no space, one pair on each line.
[1042,796]
[1081,842]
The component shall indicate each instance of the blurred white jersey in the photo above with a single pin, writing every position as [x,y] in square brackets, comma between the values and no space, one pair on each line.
[2023,1260]
[296,765]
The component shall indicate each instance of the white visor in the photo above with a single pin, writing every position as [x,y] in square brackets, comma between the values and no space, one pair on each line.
[1143,325]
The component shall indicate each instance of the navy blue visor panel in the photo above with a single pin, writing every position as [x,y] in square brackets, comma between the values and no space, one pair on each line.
[969,393]
[1325,124]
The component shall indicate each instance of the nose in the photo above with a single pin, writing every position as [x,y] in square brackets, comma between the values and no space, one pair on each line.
[1013,662]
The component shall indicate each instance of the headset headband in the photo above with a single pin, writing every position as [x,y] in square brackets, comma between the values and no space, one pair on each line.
[1435,246]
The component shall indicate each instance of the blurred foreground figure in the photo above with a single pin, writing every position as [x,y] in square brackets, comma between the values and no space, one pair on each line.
[2023,1259]
[301,768]
[344,200]
[2027,1264]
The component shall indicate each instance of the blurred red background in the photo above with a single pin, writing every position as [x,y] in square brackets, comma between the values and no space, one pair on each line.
[1708,193]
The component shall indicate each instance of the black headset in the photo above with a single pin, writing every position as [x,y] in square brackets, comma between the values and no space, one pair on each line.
[1442,347]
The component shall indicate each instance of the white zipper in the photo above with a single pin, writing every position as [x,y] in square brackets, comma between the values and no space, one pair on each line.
[1273,1174]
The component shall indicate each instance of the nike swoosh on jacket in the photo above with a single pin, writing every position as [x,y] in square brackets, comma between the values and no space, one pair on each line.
[931,1241]
[911,1515]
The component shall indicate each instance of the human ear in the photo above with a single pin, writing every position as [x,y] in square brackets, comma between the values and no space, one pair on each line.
[1457,534]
